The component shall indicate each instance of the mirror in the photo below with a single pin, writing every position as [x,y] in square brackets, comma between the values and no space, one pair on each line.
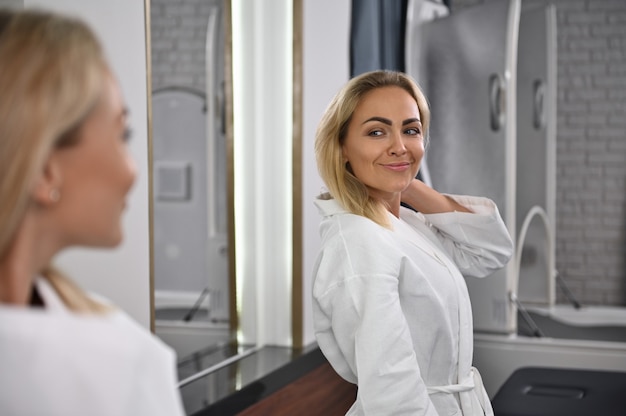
[245,302]
[190,169]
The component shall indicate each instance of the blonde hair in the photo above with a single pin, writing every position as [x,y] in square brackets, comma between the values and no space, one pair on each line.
[52,72]
[331,133]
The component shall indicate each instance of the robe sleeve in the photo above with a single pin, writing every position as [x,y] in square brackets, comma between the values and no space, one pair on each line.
[371,333]
[477,242]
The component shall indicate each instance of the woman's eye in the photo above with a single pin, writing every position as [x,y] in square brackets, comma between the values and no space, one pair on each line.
[375,133]
[413,131]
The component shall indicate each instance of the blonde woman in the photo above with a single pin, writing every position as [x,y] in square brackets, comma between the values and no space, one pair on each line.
[391,309]
[65,172]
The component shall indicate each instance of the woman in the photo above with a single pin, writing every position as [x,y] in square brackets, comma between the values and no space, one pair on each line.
[391,309]
[65,172]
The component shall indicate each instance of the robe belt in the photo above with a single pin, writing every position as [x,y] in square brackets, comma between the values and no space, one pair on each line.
[466,385]
[478,402]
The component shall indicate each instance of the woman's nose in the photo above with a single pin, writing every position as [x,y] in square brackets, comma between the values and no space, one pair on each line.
[397,147]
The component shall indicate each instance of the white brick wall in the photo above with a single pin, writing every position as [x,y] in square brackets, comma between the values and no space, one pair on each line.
[178,37]
[591,147]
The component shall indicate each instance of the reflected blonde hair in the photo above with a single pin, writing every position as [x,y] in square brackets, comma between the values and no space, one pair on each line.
[52,72]
[331,133]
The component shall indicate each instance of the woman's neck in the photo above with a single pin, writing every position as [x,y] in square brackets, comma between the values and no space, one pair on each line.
[27,256]
[16,280]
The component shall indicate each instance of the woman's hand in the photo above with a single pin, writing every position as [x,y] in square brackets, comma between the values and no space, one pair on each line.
[426,200]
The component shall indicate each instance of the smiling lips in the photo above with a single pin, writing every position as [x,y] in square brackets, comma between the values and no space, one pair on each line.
[397,166]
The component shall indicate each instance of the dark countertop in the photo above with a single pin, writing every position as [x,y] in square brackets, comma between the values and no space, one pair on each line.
[244,382]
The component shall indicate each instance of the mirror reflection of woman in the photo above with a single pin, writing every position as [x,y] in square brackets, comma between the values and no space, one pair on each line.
[65,172]
[391,309]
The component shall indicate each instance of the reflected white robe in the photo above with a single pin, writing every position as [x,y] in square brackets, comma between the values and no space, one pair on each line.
[57,363]
[391,309]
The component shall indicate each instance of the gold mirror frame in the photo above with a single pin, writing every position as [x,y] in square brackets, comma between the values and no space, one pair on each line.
[297,312]
[230,177]
[147,22]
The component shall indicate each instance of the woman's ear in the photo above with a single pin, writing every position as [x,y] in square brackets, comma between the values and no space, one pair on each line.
[47,189]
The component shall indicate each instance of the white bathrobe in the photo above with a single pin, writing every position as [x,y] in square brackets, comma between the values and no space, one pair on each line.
[391,309]
[57,363]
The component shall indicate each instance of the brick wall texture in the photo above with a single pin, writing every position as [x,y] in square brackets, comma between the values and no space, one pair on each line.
[178,36]
[591,148]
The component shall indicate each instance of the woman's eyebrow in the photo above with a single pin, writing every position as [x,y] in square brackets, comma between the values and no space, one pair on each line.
[381,119]
[411,120]
[389,123]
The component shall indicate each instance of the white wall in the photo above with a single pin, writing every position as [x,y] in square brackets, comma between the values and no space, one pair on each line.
[121,275]
[326,67]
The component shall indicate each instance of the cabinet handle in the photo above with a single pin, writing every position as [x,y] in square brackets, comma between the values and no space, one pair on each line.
[496,102]
[539,112]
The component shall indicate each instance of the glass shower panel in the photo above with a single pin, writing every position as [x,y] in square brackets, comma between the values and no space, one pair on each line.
[536,151]
[180,191]
[468,73]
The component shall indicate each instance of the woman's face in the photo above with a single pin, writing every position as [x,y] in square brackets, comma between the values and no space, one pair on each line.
[384,144]
[97,173]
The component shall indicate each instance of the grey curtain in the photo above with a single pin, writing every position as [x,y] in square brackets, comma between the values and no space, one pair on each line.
[377,35]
